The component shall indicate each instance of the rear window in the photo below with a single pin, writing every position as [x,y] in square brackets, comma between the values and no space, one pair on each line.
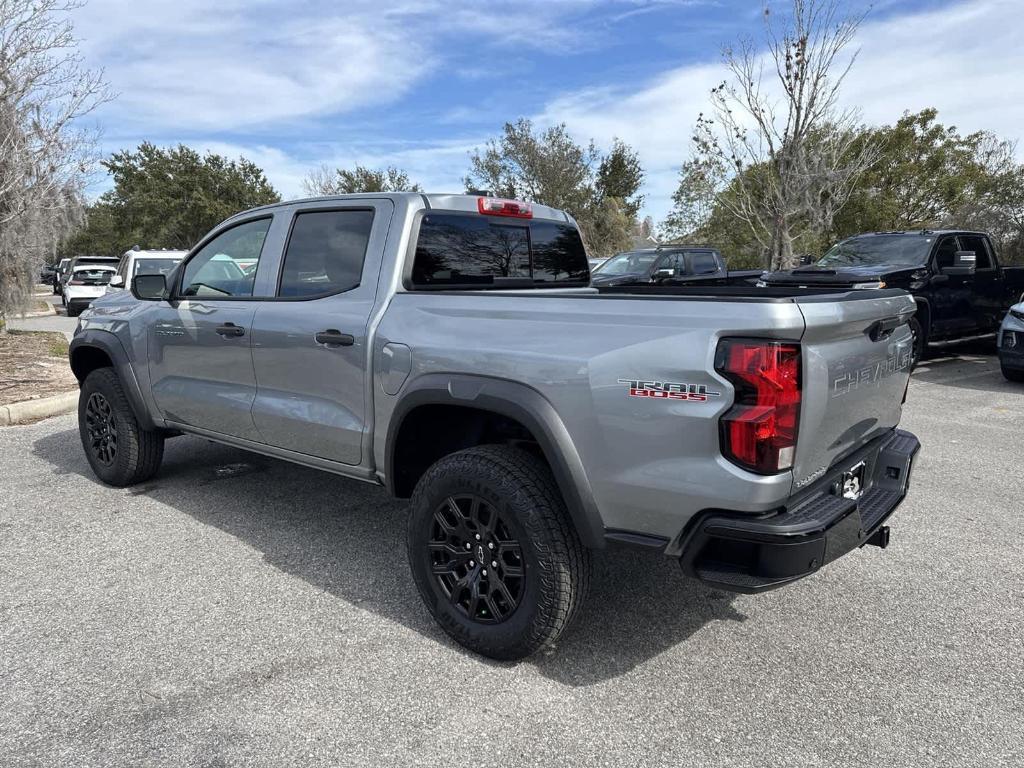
[470,250]
[155,266]
[93,276]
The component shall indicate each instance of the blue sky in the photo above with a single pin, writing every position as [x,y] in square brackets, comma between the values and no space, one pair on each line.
[293,85]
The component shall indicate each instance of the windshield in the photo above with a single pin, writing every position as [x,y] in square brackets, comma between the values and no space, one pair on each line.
[902,250]
[155,266]
[628,263]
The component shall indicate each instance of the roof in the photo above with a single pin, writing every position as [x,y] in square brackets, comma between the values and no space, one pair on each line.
[922,232]
[440,200]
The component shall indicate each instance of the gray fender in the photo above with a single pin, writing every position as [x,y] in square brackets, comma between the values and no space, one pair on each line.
[531,409]
[94,338]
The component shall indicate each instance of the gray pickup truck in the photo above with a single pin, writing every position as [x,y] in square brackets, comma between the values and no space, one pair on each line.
[451,349]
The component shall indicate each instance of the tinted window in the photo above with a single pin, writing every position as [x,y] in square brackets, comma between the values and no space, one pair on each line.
[558,254]
[98,276]
[976,244]
[703,262]
[325,252]
[225,266]
[674,261]
[945,254]
[154,266]
[464,249]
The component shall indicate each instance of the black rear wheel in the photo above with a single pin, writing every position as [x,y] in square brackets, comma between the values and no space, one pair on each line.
[493,552]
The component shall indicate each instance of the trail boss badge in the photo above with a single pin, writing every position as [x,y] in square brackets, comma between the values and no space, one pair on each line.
[668,390]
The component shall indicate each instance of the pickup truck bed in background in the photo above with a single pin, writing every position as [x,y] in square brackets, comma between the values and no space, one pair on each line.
[450,348]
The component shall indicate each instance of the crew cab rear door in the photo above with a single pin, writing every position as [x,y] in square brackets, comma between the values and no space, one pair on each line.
[310,342]
[857,350]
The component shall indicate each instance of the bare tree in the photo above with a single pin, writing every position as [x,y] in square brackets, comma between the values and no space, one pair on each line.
[323,181]
[45,156]
[787,150]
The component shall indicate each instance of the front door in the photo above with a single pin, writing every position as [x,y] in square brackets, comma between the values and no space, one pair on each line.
[988,284]
[200,344]
[310,343]
[952,300]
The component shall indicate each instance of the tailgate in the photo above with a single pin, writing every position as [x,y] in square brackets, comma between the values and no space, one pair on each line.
[857,357]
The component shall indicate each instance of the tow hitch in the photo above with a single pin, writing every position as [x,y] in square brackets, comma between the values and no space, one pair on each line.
[879,538]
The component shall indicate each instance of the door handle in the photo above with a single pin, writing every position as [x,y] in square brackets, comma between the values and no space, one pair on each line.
[229,330]
[332,337]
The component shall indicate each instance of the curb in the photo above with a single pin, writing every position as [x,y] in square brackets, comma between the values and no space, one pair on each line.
[53,311]
[34,410]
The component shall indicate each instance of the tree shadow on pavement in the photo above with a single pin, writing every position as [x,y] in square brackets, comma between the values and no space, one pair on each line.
[348,539]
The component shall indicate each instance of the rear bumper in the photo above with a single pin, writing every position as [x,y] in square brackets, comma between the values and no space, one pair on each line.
[742,553]
[81,303]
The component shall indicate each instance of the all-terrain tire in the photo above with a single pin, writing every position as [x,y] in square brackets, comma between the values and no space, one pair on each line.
[120,452]
[555,564]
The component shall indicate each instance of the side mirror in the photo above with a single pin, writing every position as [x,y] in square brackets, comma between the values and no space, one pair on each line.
[663,274]
[964,263]
[149,287]
[117,281]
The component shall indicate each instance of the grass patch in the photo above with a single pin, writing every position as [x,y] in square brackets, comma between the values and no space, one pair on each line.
[56,343]
[59,347]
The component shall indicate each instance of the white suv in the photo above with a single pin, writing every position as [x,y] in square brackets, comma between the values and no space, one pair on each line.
[138,262]
[85,283]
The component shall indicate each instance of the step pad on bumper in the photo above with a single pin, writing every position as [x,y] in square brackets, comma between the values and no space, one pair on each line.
[753,554]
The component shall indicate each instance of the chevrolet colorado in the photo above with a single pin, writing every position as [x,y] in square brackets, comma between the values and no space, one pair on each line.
[451,348]
[961,290]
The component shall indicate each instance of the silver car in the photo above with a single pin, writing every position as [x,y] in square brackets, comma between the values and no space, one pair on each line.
[1011,344]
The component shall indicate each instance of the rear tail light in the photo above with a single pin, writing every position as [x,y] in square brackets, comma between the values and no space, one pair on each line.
[493,206]
[759,432]
[76,282]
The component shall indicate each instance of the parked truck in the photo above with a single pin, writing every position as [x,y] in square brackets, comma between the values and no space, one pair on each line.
[961,290]
[451,349]
[670,265]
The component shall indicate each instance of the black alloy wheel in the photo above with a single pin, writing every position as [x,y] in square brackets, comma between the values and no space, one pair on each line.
[475,559]
[494,553]
[101,424]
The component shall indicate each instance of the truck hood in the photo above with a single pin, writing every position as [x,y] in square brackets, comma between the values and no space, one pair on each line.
[842,276]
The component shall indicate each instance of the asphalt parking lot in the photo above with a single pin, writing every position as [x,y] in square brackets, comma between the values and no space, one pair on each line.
[238,610]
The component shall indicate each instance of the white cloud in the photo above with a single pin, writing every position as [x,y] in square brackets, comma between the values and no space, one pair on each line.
[232,65]
[231,70]
[965,60]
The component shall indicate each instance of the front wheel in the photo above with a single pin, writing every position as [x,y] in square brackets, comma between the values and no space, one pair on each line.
[493,552]
[119,451]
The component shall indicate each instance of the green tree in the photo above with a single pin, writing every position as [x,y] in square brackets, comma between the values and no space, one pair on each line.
[620,176]
[923,174]
[168,198]
[341,181]
[548,167]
